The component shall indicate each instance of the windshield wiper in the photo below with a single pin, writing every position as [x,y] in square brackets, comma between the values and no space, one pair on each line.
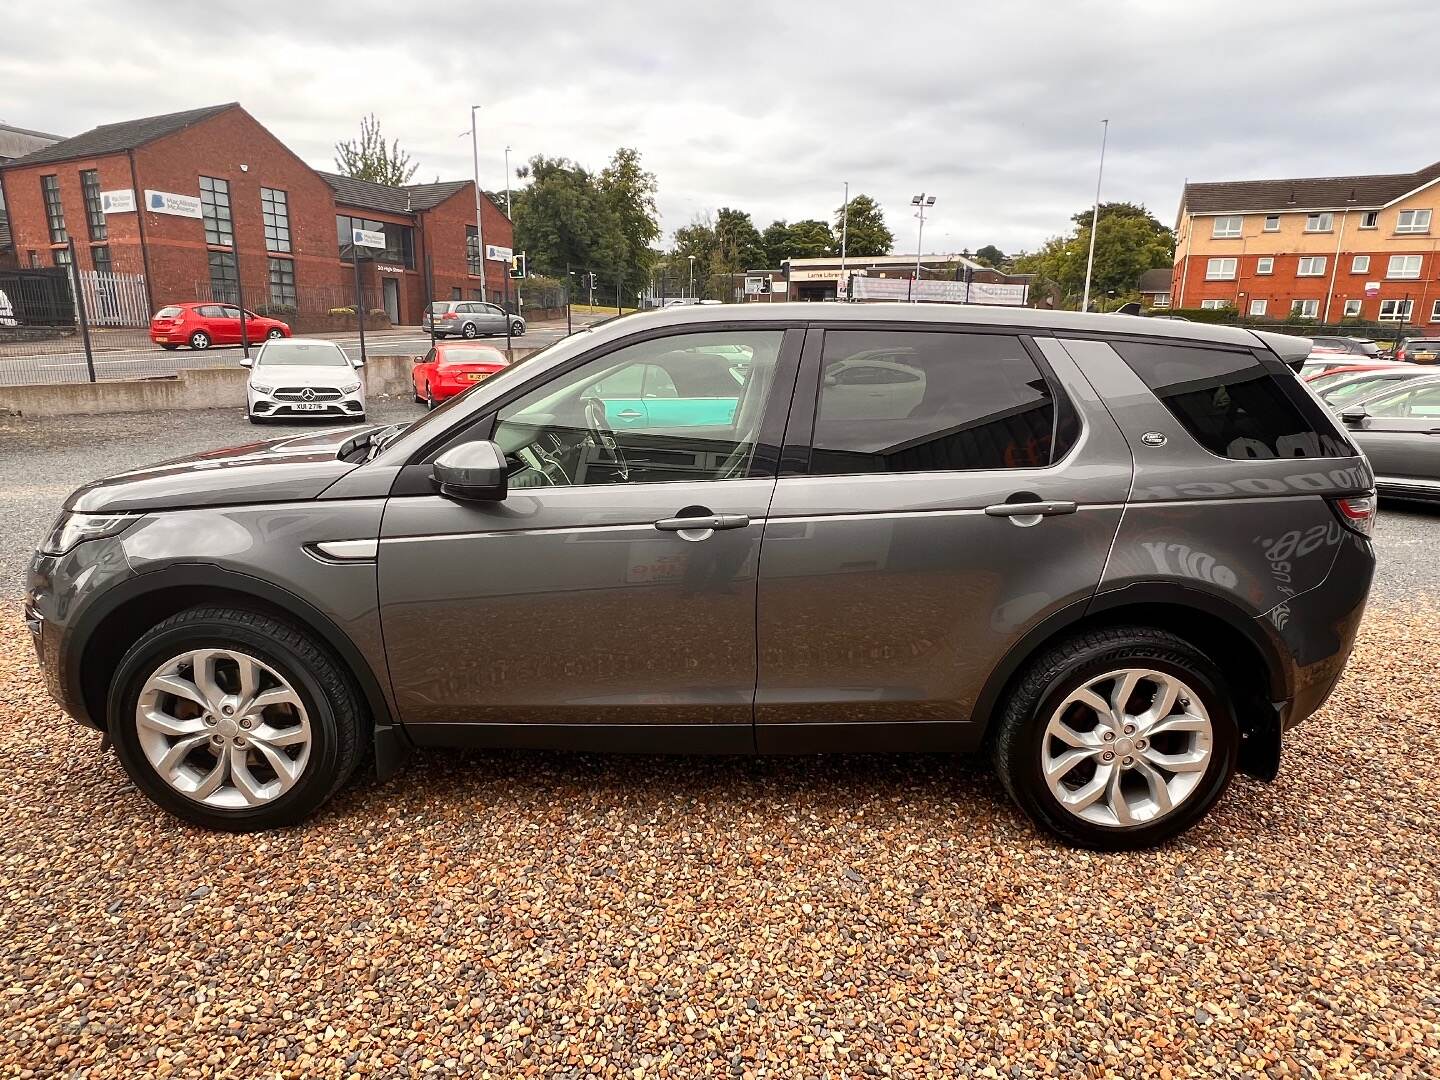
[383,437]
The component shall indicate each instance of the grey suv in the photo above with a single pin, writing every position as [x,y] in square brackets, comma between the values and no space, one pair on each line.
[469,319]
[1121,556]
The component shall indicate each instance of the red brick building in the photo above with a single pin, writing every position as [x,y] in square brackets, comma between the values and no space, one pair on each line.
[205,202]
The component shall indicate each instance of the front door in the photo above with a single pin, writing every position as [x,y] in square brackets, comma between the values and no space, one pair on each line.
[1401,437]
[614,587]
[952,494]
[391,288]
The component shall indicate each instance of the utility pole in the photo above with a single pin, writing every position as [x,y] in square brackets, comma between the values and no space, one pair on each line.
[844,231]
[922,201]
[479,227]
[1095,215]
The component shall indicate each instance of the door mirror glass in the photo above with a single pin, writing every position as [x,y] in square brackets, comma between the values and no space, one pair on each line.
[471,472]
[357,362]
[247,362]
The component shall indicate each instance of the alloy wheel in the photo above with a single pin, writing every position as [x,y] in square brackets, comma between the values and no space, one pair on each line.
[223,728]
[1127,748]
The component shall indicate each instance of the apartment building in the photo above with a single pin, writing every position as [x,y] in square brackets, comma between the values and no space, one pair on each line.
[1326,248]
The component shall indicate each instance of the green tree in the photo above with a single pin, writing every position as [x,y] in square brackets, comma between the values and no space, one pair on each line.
[368,158]
[737,243]
[809,239]
[867,234]
[1128,242]
[629,195]
[776,242]
[990,255]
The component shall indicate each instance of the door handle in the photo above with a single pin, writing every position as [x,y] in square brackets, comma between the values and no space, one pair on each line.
[1031,509]
[708,523]
[628,414]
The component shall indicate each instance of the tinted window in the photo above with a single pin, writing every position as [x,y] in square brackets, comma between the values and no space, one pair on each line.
[1231,403]
[896,401]
[283,352]
[1422,401]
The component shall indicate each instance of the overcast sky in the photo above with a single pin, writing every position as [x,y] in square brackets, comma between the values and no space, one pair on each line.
[995,108]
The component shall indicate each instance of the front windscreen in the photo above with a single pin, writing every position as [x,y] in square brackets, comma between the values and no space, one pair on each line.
[283,353]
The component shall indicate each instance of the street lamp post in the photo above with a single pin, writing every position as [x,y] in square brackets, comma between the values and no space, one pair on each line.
[1095,215]
[844,234]
[922,201]
[692,276]
[479,228]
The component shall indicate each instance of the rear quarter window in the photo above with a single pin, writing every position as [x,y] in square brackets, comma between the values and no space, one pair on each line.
[1234,405]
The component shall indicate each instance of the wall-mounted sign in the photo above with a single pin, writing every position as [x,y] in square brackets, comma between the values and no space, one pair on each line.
[167,202]
[390,269]
[498,253]
[1372,289]
[367,238]
[118,202]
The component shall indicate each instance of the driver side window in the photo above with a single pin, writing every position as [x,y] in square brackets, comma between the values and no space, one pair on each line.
[680,408]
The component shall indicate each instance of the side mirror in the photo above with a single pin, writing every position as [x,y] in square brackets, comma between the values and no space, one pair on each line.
[357,364]
[1355,414]
[247,362]
[471,472]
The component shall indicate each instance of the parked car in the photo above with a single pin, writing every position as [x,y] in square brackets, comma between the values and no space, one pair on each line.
[1121,556]
[1418,350]
[201,325]
[1354,346]
[1319,364]
[303,377]
[469,319]
[1399,430]
[1340,388]
[451,368]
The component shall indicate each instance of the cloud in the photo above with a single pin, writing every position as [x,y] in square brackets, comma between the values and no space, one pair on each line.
[771,107]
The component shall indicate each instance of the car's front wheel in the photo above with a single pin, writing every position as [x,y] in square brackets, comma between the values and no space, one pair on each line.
[274,332]
[169,348]
[1118,738]
[235,720]
[430,402]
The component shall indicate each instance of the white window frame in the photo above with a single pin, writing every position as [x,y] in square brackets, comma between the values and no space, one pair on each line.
[1310,266]
[1162,299]
[1360,264]
[1265,265]
[1221,269]
[1400,310]
[1370,219]
[1304,309]
[1352,309]
[1234,226]
[1412,221]
[1324,221]
[1257,307]
[1435,312]
[1213,305]
[1398,268]
[1272,223]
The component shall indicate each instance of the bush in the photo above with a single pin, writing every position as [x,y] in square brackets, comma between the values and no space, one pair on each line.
[1227,314]
[283,312]
[342,311]
[379,313]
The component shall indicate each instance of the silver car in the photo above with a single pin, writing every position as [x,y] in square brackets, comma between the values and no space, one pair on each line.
[469,319]
[1399,430]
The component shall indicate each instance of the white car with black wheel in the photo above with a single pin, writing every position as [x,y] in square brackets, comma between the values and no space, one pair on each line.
[299,377]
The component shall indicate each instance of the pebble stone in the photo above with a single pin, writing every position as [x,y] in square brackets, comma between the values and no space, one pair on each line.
[515,915]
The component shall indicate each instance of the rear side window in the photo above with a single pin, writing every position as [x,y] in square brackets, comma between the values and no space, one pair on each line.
[898,401]
[168,312]
[1232,404]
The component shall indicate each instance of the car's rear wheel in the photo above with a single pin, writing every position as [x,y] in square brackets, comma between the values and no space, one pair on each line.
[275,332]
[469,330]
[1119,738]
[430,401]
[234,720]
[169,348]
[199,340]
[517,329]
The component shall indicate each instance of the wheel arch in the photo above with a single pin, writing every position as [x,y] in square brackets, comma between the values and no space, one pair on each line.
[1233,639]
[106,633]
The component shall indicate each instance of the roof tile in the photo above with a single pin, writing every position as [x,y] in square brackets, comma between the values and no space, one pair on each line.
[115,138]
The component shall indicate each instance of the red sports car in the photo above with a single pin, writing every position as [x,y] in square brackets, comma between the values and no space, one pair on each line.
[452,368]
[201,325]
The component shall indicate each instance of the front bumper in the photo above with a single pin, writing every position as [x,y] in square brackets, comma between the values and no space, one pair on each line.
[273,404]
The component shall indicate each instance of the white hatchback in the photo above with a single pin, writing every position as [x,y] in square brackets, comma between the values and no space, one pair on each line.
[303,377]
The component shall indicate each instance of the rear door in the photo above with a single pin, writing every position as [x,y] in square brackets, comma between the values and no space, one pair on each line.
[942,492]
[1401,436]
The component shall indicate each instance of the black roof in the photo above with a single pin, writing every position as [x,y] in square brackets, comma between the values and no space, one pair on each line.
[1156,280]
[1307,193]
[115,138]
[390,198]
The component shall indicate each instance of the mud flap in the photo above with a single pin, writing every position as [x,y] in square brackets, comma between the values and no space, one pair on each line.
[1260,743]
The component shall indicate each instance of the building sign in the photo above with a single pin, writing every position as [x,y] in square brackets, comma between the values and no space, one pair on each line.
[367,238]
[1372,289]
[496,253]
[167,202]
[118,202]
[390,269]
[819,275]
[945,292]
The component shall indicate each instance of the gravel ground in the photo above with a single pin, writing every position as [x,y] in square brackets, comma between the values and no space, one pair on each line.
[506,915]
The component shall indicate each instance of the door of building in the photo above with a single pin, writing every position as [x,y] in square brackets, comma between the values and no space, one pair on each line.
[391,289]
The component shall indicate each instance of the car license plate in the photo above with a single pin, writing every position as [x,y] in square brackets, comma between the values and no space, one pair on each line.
[308,406]
[472,378]
[1425,355]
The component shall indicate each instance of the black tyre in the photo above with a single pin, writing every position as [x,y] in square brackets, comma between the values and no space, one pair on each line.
[170,348]
[517,329]
[430,402]
[255,419]
[1118,738]
[199,340]
[220,692]
[469,330]
[274,332]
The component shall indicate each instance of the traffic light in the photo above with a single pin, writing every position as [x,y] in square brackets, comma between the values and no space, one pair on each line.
[592,279]
[517,265]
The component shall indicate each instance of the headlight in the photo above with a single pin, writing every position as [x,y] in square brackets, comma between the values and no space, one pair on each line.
[71,529]
[350,388]
[260,388]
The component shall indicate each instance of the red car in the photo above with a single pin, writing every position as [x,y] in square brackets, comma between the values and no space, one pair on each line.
[201,325]
[452,368]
